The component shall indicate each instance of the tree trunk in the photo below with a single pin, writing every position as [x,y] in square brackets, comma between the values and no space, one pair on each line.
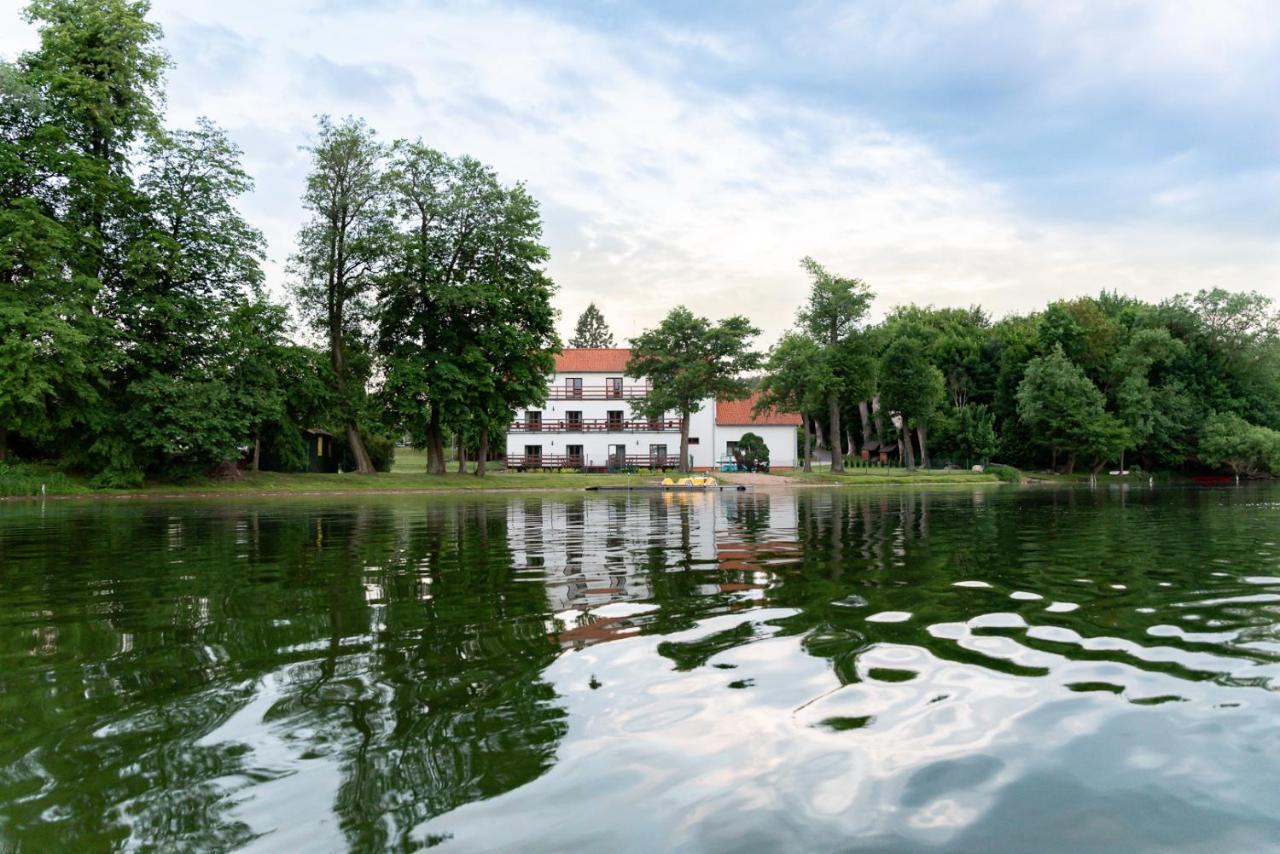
[4,443]
[808,445]
[1071,464]
[819,435]
[864,415]
[364,465]
[257,450]
[906,448]
[837,453]
[435,443]
[877,417]
[684,443]
[1097,466]
[852,443]
[462,455]
[482,453]
[1053,459]
[922,433]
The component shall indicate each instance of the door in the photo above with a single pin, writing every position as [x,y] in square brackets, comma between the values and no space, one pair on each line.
[533,455]
[573,453]
[617,455]
[658,456]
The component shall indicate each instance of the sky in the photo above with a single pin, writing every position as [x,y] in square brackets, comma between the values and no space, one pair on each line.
[947,153]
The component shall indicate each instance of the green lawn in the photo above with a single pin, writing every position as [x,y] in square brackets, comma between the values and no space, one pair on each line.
[888,476]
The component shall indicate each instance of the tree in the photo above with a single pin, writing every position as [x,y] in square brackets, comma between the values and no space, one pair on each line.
[591,330]
[1066,411]
[1243,447]
[972,433]
[796,376]
[466,327]
[688,360]
[339,250]
[752,453]
[912,388]
[836,306]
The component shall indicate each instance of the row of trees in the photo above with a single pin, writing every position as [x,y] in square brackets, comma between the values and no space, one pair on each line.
[136,339]
[1194,379]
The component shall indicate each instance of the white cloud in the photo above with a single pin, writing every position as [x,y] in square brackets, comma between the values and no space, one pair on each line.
[658,189]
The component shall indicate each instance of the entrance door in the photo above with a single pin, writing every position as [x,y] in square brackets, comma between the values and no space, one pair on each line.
[658,456]
[617,455]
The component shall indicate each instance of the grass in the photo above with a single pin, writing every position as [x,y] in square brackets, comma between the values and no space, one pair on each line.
[23,479]
[888,476]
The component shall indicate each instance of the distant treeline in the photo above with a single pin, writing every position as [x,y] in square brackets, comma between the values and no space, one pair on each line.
[136,339]
[1190,382]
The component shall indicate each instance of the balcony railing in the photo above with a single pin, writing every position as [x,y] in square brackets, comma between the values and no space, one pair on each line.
[545,461]
[597,425]
[559,391]
[613,461]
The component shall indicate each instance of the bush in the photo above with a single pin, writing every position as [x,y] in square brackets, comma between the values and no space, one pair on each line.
[1006,474]
[17,479]
[752,453]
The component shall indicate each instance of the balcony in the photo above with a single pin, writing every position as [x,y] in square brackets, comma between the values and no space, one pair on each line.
[521,462]
[596,425]
[559,391]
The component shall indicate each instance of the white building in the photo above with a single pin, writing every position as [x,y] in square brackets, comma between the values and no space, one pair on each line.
[588,422]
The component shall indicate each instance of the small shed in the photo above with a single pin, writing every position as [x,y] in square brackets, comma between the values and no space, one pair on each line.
[322,454]
[882,452]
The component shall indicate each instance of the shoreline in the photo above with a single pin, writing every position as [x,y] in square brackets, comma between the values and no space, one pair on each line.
[206,492]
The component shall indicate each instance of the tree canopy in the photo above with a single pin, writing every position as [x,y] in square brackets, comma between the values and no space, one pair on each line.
[688,359]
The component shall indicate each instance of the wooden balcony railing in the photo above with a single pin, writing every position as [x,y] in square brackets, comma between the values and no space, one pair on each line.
[545,461]
[559,391]
[597,425]
[566,461]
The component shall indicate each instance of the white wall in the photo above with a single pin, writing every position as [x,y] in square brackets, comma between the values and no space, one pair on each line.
[781,439]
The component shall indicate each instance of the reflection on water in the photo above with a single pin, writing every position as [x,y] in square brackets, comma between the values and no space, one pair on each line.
[1032,670]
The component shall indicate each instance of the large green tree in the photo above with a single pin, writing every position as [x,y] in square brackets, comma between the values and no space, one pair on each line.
[1066,411]
[913,389]
[796,375]
[339,249]
[465,323]
[836,307]
[689,360]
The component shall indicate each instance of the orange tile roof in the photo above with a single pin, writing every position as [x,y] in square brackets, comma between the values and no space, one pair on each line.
[737,413]
[590,360]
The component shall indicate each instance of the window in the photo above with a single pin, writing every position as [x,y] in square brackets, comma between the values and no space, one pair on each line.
[613,387]
[730,448]
[613,421]
[693,440]
[657,455]
[573,419]
[532,454]
[533,420]
[655,423]
[574,453]
[573,387]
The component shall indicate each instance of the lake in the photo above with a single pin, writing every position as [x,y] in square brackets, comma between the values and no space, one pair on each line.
[1002,668]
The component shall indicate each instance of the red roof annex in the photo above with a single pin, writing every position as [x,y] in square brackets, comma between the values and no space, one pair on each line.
[586,360]
[737,413]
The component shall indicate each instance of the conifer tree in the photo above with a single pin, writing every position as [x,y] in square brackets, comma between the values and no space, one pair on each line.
[591,330]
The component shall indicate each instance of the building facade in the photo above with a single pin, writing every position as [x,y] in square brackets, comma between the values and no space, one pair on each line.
[588,422]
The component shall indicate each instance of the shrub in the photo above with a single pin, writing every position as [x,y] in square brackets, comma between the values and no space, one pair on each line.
[1007,474]
[752,453]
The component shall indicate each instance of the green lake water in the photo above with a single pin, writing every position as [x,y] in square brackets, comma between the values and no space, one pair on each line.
[996,669]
